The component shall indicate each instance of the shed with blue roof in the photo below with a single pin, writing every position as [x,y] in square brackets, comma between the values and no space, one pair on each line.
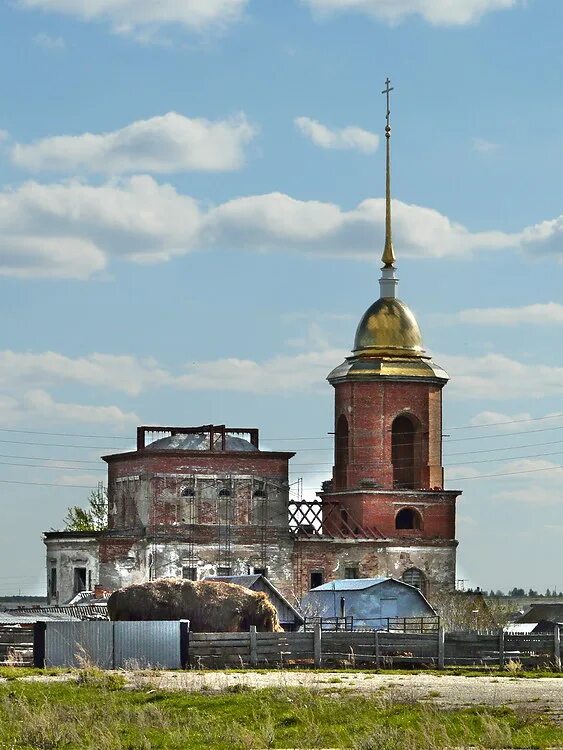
[374,603]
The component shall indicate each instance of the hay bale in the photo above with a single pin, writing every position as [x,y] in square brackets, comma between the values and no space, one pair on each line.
[210,606]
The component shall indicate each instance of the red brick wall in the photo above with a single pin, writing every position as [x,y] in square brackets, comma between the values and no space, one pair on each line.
[376,513]
[370,408]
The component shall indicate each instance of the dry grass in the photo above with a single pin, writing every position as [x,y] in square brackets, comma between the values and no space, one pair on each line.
[95,714]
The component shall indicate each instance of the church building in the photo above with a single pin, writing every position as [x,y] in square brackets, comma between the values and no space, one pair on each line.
[202,501]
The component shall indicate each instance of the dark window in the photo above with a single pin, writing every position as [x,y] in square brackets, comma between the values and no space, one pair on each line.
[223,571]
[260,494]
[404,453]
[408,518]
[189,573]
[224,493]
[79,580]
[53,582]
[415,577]
[316,578]
[187,492]
[351,572]
[260,571]
[341,450]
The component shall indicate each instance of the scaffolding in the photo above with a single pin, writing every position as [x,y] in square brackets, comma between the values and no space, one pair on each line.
[225,518]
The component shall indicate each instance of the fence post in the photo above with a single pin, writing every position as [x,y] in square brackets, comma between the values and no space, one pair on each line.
[253,646]
[39,631]
[184,644]
[377,651]
[501,649]
[317,645]
[557,647]
[441,648]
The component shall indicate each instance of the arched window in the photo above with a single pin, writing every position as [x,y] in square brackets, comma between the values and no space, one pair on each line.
[259,512]
[187,492]
[408,518]
[405,453]
[415,577]
[341,452]
[224,493]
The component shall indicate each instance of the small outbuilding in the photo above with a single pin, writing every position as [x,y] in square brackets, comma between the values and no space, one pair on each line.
[373,603]
[290,619]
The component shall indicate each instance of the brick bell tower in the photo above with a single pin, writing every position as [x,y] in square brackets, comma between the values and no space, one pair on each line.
[388,479]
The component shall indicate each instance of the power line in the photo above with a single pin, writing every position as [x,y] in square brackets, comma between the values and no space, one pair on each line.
[47,484]
[130,438]
[46,466]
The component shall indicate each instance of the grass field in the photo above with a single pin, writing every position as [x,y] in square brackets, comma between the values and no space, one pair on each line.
[98,712]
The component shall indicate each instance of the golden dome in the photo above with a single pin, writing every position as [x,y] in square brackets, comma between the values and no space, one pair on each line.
[388,328]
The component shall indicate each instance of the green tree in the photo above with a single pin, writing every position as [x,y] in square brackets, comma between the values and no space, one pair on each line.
[92,518]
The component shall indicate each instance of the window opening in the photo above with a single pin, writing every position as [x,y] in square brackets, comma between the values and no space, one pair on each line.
[415,577]
[341,450]
[187,492]
[79,580]
[316,578]
[260,572]
[223,571]
[408,518]
[404,453]
[351,572]
[53,582]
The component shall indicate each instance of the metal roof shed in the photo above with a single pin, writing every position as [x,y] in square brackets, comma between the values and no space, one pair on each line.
[290,619]
[374,603]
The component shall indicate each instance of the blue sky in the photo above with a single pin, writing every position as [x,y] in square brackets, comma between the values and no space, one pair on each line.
[190,227]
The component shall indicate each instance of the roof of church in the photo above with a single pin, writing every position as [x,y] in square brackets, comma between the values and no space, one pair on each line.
[200,442]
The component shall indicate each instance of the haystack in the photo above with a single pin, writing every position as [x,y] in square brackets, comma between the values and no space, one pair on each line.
[210,606]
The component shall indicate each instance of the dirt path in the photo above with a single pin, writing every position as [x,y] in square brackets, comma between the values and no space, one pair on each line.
[446,690]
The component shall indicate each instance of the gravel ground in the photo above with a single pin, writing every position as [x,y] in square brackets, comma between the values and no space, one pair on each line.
[444,690]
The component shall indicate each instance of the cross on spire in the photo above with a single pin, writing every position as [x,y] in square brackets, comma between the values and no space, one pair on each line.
[387,90]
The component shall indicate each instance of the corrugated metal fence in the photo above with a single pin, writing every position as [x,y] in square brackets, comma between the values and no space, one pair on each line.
[122,645]
[111,645]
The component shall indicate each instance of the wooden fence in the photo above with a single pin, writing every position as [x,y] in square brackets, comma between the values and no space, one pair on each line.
[16,645]
[376,649]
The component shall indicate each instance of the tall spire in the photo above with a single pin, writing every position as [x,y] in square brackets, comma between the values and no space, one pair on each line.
[388,281]
[388,257]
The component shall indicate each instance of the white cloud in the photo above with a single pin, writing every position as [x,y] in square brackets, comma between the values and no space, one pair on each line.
[484,147]
[282,373]
[350,137]
[278,222]
[496,376]
[70,229]
[40,404]
[170,143]
[140,16]
[437,12]
[545,238]
[499,420]
[48,42]
[549,313]
[67,230]
[123,373]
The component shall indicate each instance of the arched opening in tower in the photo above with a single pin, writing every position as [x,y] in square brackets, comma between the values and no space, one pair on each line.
[408,518]
[341,452]
[405,453]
